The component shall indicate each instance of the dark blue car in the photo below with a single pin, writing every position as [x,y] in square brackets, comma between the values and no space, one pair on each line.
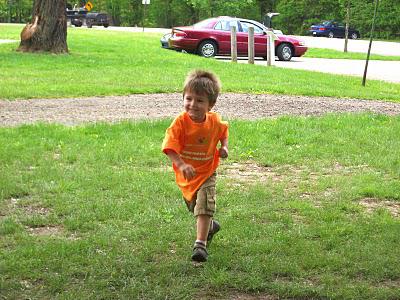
[333,29]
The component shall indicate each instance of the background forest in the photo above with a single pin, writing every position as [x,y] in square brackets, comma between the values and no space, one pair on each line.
[295,17]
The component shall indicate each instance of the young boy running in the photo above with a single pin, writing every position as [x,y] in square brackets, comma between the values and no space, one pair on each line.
[191,143]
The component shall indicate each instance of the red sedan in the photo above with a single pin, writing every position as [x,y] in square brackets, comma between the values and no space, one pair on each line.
[213,37]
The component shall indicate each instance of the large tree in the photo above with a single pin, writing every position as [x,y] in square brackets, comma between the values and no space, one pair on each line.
[48,28]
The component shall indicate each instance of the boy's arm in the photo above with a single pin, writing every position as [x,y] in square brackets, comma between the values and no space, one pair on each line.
[223,151]
[187,170]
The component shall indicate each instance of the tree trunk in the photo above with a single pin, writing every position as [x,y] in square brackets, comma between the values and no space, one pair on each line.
[48,30]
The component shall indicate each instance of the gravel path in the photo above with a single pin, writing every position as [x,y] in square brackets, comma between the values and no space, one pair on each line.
[73,111]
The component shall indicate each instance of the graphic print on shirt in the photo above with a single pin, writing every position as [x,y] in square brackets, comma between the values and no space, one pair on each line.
[196,148]
[202,140]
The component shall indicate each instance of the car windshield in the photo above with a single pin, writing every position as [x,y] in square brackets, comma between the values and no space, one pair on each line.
[326,23]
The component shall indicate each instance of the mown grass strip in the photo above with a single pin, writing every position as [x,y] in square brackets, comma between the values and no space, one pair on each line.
[121,63]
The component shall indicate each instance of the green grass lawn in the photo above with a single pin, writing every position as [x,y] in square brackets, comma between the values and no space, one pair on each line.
[121,63]
[309,209]
[330,53]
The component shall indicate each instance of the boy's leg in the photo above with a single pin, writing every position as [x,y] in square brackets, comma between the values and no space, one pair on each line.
[214,228]
[204,211]
[200,246]
[203,227]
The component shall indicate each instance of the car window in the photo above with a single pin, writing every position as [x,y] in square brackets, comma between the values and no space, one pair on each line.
[218,26]
[202,24]
[225,25]
[247,25]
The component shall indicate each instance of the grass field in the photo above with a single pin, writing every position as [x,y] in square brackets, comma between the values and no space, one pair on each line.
[121,63]
[309,209]
[309,206]
[330,53]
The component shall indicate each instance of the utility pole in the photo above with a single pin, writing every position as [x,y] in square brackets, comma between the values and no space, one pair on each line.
[346,38]
[145,3]
[9,10]
[370,42]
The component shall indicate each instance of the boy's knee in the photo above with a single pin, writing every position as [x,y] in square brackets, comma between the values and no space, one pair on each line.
[205,202]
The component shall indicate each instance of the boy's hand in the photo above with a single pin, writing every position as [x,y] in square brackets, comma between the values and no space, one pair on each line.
[188,171]
[223,152]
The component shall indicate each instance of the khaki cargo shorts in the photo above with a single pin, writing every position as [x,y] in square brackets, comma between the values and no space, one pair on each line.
[204,200]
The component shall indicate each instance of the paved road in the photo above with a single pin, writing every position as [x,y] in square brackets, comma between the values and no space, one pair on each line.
[7,41]
[379,70]
[378,47]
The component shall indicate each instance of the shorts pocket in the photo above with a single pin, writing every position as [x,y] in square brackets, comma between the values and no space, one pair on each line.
[210,191]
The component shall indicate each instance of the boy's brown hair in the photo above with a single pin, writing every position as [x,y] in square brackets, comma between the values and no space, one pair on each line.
[203,82]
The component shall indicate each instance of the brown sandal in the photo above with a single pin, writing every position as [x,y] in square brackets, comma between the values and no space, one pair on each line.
[199,252]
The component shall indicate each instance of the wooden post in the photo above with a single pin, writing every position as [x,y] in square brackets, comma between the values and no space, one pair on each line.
[251,45]
[233,44]
[271,47]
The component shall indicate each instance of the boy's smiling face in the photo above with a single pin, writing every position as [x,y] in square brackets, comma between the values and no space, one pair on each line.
[196,105]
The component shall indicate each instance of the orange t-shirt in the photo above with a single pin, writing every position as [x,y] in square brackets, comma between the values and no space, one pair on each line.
[196,143]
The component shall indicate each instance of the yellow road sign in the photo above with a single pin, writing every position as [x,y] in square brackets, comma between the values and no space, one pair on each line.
[89,6]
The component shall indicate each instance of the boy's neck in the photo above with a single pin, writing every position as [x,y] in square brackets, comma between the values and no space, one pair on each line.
[198,121]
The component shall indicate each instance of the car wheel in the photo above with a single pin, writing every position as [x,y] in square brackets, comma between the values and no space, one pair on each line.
[105,25]
[354,36]
[207,49]
[284,52]
[331,35]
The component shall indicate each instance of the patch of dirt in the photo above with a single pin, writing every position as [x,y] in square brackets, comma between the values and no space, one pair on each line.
[52,231]
[23,206]
[73,111]
[10,206]
[14,204]
[45,230]
[248,172]
[235,295]
[243,296]
[372,204]
[36,210]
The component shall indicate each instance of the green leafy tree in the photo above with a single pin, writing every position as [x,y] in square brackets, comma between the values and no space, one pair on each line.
[296,16]
[16,11]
